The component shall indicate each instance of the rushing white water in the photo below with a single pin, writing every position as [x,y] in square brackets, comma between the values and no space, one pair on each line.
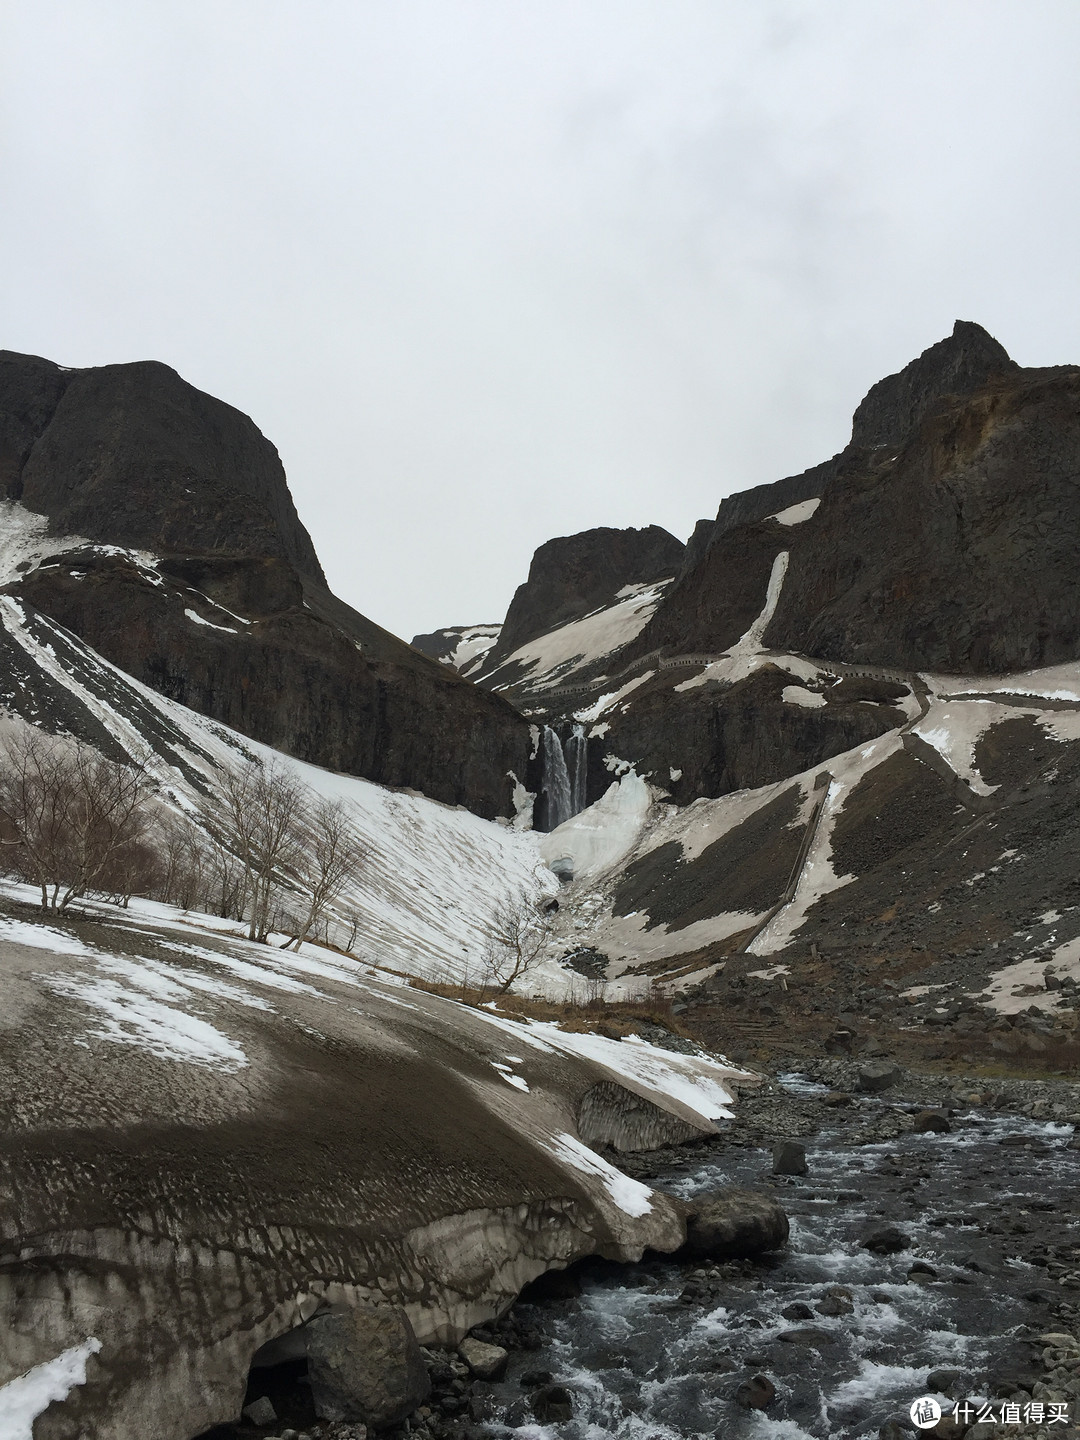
[556,779]
[644,1359]
[577,763]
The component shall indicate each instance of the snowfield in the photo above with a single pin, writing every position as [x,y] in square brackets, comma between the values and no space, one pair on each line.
[432,874]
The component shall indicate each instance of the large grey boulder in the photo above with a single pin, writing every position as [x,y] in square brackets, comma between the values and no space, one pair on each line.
[487,1362]
[878,1075]
[365,1364]
[734,1224]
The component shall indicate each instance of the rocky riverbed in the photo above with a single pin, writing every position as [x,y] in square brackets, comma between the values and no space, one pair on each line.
[927,1256]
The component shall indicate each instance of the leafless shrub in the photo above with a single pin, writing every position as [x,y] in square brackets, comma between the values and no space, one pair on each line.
[70,818]
[262,824]
[516,938]
[329,857]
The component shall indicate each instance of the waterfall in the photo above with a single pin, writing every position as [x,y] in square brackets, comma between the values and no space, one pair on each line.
[577,761]
[556,779]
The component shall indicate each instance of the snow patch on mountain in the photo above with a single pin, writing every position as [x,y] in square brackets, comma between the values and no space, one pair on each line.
[796,514]
[748,653]
[818,877]
[552,658]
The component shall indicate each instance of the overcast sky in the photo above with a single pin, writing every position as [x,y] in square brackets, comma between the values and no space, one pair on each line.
[488,271]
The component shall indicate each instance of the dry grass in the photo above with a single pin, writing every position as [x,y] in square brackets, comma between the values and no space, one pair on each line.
[611,1018]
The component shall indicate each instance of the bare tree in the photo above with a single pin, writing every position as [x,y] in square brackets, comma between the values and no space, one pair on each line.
[516,938]
[70,817]
[264,817]
[332,855]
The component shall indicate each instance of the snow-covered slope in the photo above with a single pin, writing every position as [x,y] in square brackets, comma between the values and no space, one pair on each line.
[431,875]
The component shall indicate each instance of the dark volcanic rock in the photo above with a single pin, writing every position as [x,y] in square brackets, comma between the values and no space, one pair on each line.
[133,455]
[722,585]
[789,1158]
[365,1365]
[758,1393]
[932,1122]
[963,362]
[958,552]
[552,1404]
[886,1240]
[710,607]
[734,1224]
[574,574]
[235,621]
[738,737]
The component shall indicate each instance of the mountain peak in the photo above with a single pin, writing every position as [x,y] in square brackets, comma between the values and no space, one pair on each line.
[962,362]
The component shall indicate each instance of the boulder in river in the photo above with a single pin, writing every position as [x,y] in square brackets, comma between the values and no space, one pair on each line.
[734,1224]
[552,1405]
[808,1335]
[932,1122]
[789,1158]
[365,1364]
[886,1240]
[757,1393]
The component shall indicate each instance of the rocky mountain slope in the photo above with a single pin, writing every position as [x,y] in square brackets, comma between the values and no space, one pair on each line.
[573,580]
[155,522]
[845,739]
[940,539]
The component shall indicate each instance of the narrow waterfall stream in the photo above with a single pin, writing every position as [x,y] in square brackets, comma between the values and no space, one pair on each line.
[556,780]
[577,760]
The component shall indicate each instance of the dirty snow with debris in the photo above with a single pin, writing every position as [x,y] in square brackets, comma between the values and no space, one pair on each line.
[630,1195]
[604,833]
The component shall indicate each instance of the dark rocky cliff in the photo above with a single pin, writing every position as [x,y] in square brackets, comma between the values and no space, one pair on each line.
[909,525]
[575,574]
[957,365]
[960,554]
[132,455]
[234,619]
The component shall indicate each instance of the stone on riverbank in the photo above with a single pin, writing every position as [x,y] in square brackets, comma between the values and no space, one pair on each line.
[734,1224]
[487,1362]
[878,1075]
[365,1364]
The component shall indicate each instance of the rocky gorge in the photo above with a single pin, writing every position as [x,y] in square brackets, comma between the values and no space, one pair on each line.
[773,1128]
